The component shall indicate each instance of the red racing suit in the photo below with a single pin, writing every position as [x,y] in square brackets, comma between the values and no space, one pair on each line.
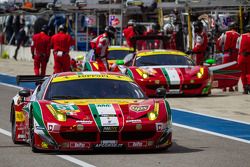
[40,49]
[171,43]
[200,46]
[218,45]
[100,45]
[128,33]
[228,43]
[244,58]
[61,43]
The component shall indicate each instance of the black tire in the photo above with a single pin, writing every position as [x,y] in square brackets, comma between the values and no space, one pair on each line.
[13,126]
[31,133]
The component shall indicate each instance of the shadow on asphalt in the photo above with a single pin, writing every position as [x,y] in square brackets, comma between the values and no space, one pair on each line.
[174,149]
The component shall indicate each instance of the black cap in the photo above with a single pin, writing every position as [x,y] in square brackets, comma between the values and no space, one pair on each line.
[110,30]
[44,28]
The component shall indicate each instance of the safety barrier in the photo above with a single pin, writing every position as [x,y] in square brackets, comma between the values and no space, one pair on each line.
[24,53]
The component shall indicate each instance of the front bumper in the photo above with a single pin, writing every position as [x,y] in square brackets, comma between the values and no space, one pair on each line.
[188,87]
[143,137]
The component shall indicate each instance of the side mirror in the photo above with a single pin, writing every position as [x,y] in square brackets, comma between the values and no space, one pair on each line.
[210,61]
[119,62]
[161,92]
[24,93]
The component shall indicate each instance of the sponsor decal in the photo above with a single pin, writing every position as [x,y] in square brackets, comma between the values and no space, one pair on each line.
[173,91]
[65,145]
[53,127]
[19,136]
[79,145]
[160,127]
[133,121]
[20,128]
[91,76]
[110,129]
[79,127]
[44,145]
[19,117]
[108,143]
[50,127]
[84,121]
[64,108]
[40,128]
[215,84]
[109,121]
[139,108]
[157,81]
[150,143]
[137,144]
[113,145]
[138,127]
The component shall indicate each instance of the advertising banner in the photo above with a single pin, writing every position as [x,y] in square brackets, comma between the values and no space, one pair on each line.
[115,20]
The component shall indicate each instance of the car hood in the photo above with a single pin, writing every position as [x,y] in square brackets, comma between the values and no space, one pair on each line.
[98,109]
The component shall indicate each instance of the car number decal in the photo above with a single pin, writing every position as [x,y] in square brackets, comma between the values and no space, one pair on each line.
[65,108]
[173,76]
[106,116]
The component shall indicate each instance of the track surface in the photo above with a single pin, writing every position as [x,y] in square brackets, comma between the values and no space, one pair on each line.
[190,148]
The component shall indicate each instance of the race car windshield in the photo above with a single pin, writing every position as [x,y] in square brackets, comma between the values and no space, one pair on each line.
[117,54]
[163,59]
[94,89]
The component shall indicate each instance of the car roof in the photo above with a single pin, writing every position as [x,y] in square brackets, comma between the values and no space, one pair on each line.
[67,76]
[111,48]
[159,51]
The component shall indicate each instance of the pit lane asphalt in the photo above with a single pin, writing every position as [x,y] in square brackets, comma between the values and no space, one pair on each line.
[190,148]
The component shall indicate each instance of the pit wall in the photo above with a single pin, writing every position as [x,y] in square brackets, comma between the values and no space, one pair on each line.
[24,53]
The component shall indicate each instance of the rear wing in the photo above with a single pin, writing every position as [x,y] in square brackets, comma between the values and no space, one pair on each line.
[30,78]
[138,41]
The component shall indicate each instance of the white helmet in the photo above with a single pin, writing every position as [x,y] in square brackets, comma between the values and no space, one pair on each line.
[131,22]
[168,28]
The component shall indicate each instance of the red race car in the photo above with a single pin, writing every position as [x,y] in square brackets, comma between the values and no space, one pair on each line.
[89,110]
[115,53]
[174,70]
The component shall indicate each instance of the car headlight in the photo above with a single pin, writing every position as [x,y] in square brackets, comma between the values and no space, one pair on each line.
[200,73]
[144,75]
[152,115]
[58,115]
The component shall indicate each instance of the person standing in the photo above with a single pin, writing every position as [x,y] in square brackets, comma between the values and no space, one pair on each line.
[21,38]
[200,43]
[171,34]
[228,42]
[100,45]
[130,32]
[61,43]
[40,49]
[243,44]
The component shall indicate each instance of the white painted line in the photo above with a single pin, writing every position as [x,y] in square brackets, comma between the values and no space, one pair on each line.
[65,157]
[227,119]
[9,85]
[7,74]
[5,132]
[212,133]
[75,161]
